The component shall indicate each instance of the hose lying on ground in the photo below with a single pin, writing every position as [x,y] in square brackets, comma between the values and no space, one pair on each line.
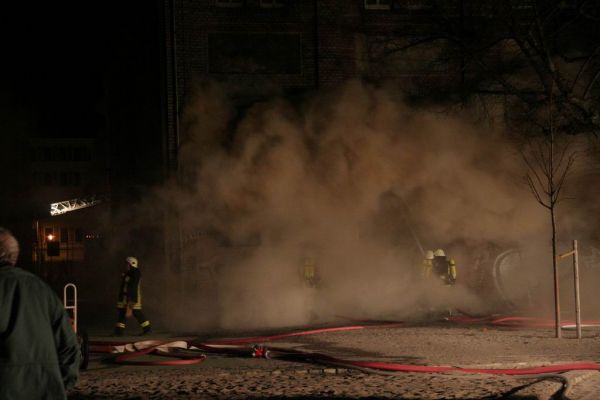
[236,347]
[191,352]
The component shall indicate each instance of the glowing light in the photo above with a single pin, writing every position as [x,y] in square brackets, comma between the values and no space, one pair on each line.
[50,237]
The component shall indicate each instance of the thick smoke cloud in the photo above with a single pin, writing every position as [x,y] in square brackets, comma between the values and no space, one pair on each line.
[356,180]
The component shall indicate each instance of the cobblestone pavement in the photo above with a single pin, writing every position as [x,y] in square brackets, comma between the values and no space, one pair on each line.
[286,383]
[236,378]
[587,389]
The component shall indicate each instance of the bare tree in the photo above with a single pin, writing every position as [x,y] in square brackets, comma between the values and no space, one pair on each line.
[538,61]
[548,165]
[515,52]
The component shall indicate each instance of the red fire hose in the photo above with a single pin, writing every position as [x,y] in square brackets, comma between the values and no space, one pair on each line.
[515,321]
[188,352]
[129,351]
[262,339]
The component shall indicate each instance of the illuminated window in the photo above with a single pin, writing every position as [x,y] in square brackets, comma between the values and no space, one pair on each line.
[378,4]
[273,3]
[229,3]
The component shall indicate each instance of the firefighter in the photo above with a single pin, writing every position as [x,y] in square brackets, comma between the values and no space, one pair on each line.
[444,267]
[309,272]
[130,298]
[427,265]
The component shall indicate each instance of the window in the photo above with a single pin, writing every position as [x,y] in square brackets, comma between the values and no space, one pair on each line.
[64,235]
[229,3]
[48,178]
[254,53]
[61,154]
[527,5]
[415,4]
[273,3]
[78,235]
[64,179]
[47,153]
[378,4]
[37,178]
[77,154]
[68,178]
[69,153]
[426,58]
[86,154]
[36,154]
[75,179]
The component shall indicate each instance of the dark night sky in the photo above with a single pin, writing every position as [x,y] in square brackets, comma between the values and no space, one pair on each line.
[63,56]
[80,69]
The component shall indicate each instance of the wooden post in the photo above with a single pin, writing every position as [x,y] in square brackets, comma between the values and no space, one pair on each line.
[577,298]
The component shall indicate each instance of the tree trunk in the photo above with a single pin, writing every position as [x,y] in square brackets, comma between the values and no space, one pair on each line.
[555,270]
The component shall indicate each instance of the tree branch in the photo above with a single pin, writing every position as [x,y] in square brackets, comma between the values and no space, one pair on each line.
[535,192]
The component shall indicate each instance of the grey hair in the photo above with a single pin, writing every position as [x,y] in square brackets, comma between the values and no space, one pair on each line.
[9,247]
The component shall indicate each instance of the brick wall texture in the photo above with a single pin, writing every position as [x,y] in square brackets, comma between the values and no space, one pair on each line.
[330,36]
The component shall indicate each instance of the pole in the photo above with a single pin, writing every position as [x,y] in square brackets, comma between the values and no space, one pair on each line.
[577,298]
[552,191]
[316,41]
[557,324]
[38,247]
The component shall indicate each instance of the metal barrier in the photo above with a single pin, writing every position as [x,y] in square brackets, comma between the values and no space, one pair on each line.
[71,305]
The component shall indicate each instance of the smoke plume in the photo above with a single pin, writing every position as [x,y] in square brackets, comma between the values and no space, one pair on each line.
[355,180]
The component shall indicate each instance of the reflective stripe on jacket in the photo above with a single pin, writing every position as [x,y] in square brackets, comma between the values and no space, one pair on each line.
[427,266]
[130,289]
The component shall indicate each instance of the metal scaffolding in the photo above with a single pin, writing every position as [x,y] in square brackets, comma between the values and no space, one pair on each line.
[63,207]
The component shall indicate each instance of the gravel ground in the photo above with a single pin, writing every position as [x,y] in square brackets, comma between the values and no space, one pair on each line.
[436,344]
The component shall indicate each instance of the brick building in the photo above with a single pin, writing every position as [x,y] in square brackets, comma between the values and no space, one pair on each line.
[262,47]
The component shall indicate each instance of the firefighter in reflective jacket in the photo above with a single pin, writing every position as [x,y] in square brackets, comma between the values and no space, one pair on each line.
[130,298]
[444,267]
[427,265]
[309,272]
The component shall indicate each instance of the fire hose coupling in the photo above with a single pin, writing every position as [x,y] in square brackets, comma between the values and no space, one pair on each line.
[260,352]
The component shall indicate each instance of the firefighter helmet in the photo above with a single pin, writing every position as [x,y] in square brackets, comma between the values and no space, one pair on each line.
[439,253]
[132,261]
[429,255]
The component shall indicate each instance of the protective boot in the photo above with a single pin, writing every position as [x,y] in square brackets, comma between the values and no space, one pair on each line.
[146,329]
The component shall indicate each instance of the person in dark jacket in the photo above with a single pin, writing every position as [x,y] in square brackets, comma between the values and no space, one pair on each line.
[130,298]
[39,353]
